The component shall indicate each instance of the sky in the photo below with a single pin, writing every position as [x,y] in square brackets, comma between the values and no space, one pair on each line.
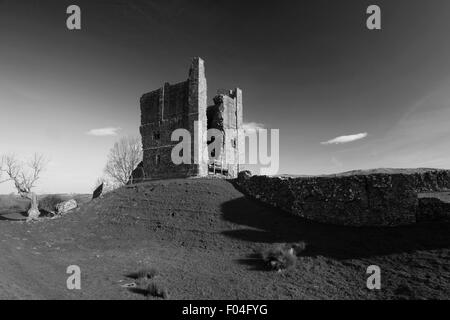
[343,97]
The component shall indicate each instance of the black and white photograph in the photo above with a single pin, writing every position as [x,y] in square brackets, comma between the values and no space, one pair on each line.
[205,151]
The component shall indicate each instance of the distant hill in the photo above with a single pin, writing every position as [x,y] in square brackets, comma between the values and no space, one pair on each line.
[367,172]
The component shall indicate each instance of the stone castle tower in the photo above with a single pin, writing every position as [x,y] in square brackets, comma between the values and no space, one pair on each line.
[184,105]
[226,116]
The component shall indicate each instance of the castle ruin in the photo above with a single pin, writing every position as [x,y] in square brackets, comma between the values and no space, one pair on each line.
[184,105]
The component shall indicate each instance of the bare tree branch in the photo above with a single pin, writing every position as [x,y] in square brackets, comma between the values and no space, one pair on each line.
[24,176]
[123,158]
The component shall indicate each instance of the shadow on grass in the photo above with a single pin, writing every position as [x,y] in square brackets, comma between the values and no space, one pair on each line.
[255,262]
[21,216]
[140,291]
[266,225]
[15,216]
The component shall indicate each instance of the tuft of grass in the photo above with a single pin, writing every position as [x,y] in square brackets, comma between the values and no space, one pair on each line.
[149,283]
[282,256]
[156,289]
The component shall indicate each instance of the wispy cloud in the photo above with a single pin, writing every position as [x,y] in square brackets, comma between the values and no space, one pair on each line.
[346,139]
[103,132]
[252,126]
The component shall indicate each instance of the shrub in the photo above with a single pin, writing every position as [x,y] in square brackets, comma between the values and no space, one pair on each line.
[49,203]
[283,256]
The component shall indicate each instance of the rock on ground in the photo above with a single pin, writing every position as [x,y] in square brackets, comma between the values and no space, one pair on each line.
[66,206]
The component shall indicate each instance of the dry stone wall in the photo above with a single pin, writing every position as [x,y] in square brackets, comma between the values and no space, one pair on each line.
[356,199]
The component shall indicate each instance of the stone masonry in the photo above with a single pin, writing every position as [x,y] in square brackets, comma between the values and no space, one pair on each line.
[184,105]
[365,198]
[226,116]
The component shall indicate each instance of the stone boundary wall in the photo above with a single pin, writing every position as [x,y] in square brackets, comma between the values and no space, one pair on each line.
[357,199]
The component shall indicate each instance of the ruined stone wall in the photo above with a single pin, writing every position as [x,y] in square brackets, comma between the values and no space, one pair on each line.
[363,199]
[226,115]
[197,113]
[167,109]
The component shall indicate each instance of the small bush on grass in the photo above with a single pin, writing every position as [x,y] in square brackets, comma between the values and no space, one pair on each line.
[282,256]
[48,203]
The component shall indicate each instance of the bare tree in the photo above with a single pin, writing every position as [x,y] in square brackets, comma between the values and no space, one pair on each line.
[24,176]
[123,158]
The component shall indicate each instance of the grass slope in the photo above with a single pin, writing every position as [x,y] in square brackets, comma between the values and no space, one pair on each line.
[204,238]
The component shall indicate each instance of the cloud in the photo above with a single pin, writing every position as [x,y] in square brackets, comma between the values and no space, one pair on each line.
[252,126]
[346,139]
[103,132]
